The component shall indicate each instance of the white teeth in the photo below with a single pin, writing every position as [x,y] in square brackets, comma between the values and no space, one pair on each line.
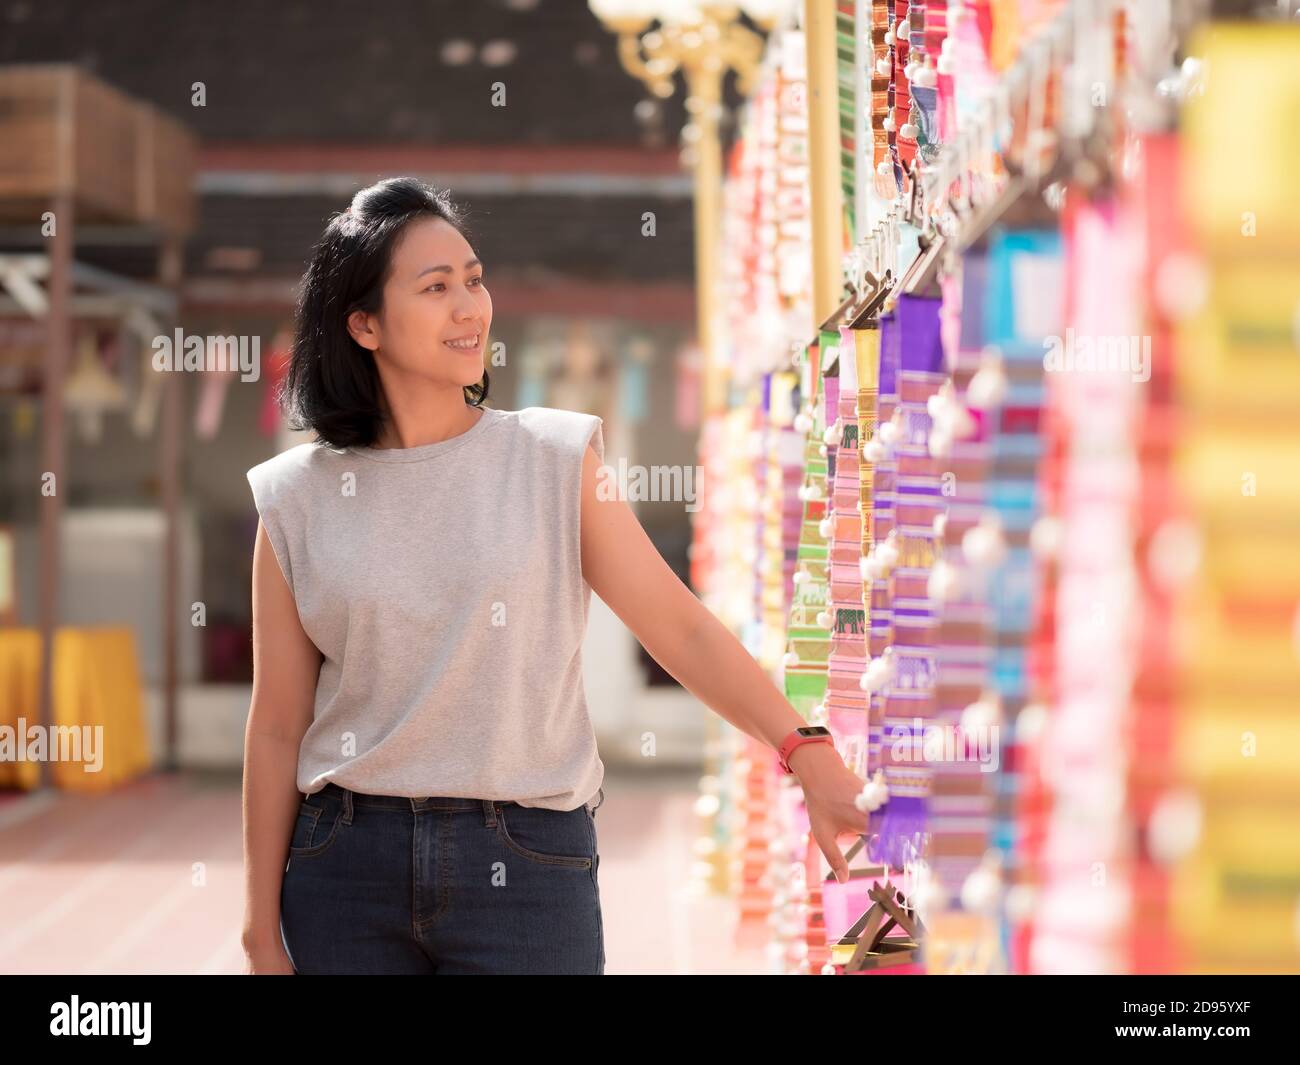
[463,345]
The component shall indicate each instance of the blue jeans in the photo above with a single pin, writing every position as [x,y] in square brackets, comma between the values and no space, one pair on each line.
[387,884]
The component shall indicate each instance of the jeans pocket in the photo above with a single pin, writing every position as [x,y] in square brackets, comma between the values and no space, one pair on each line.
[315,828]
[547,837]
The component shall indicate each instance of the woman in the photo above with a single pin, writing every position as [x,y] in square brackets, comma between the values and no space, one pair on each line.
[418,731]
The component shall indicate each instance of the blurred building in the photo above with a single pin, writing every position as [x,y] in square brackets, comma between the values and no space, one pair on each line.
[581,213]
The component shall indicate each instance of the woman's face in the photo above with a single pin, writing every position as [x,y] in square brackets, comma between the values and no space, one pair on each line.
[433,297]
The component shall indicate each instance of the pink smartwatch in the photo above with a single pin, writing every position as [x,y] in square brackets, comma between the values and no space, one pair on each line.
[798,737]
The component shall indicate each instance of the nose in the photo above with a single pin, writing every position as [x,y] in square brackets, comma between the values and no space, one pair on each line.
[468,309]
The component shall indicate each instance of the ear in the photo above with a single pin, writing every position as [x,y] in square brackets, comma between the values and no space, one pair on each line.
[361,327]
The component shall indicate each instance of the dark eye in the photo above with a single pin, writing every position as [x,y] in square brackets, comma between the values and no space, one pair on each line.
[478,279]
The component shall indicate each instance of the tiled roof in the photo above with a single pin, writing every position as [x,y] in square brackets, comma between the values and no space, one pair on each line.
[338,75]
[396,70]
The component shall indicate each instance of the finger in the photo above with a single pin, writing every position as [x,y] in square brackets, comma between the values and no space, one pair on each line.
[839,864]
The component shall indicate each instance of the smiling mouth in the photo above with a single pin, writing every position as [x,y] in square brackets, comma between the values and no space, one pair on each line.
[469,344]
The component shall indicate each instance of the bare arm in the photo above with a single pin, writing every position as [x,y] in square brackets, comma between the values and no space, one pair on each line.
[623,567]
[285,667]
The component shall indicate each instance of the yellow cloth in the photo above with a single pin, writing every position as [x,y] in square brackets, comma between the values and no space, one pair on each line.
[1246,332]
[1243,146]
[96,684]
[1238,386]
[20,673]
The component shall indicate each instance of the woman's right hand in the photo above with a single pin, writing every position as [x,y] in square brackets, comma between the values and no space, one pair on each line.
[268,960]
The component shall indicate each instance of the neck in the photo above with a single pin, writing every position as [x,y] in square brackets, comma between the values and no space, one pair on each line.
[426,415]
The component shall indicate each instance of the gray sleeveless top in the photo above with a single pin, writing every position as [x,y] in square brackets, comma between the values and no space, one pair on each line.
[443,585]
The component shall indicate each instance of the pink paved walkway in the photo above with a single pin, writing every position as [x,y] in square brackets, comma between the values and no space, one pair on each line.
[149,879]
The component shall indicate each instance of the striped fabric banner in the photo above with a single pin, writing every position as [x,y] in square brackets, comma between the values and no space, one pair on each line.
[846,702]
[808,645]
[846,73]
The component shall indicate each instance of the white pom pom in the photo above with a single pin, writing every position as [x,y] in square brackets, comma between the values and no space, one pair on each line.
[874,795]
[824,528]
[814,490]
[939,442]
[908,131]
[883,67]
[822,451]
[928,896]
[885,168]
[961,426]
[942,584]
[887,552]
[791,659]
[903,30]
[1020,903]
[982,714]
[983,545]
[824,619]
[874,451]
[869,567]
[888,433]
[827,970]
[888,123]
[832,434]
[937,404]
[940,524]
[803,421]
[979,894]
[988,388]
[909,71]
[890,38]
[1045,536]
[926,78]
[1030,722]
[945,62]
[878,674]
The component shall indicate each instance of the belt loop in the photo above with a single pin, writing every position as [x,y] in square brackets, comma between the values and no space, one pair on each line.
[347,806]
[489,813]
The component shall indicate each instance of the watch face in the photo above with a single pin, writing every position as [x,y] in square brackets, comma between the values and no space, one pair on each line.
[814,730]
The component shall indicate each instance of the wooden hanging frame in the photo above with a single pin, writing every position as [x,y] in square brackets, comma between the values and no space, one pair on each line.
[866,314]
[922,277]
[865,946]
[836,317]
[830,363]
[986,215]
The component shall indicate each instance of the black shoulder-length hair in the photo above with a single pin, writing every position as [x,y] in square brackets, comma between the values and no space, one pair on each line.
[332,386]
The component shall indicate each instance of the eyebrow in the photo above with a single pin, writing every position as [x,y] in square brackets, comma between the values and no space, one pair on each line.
[444,269]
